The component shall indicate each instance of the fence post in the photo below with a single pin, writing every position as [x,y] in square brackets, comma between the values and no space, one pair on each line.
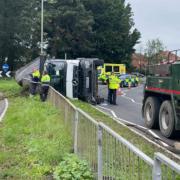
[100,163]
[76,119]
[156,169]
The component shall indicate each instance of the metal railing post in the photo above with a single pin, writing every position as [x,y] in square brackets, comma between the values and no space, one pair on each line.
[157,169]
[76,131]
[100,163]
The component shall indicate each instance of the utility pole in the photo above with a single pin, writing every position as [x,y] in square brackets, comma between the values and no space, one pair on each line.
[42,25]
[42,54]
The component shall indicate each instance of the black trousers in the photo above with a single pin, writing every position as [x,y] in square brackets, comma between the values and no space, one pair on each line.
[112,96]
[44,92]
[33,88]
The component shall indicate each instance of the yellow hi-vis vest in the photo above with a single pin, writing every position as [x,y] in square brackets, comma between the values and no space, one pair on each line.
[36,73]
[45,79]
[137,79]
[113,82]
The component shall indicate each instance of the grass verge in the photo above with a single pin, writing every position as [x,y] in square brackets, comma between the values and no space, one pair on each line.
[33,138]
[9,87]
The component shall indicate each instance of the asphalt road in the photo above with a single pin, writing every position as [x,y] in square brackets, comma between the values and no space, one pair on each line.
[129,107]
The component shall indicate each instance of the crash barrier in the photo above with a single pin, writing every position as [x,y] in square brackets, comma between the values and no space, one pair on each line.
[109,155]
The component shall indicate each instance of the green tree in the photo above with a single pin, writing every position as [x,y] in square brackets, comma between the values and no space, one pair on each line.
[96,28]
[18,22]
[153,49]
[114,36]
[9,30]
[69,29]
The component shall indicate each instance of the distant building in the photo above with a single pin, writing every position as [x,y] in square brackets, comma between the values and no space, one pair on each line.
[172,56]
[139,61]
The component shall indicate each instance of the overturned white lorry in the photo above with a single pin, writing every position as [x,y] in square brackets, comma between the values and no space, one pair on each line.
[75,78]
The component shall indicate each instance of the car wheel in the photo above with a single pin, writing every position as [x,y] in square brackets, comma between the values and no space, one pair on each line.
[151,112]
[121,84]
[167,119]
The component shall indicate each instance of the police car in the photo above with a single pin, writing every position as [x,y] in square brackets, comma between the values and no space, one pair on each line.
[131,79]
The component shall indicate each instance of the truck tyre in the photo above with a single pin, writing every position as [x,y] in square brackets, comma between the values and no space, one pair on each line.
[166,119]
[151,112]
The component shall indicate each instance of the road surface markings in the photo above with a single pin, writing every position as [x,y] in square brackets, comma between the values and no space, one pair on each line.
[5,109]
[158,137]
[112,112]
[131,99]
[154,134]
[125,122]
[164,144]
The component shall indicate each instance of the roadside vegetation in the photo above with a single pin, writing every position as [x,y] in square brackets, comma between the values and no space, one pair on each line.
[9,88]
[33,139]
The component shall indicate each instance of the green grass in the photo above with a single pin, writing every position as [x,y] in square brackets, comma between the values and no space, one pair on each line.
[33,138]
[9,87]
[138,141]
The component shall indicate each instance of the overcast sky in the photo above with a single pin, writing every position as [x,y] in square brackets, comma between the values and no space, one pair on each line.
[158,19]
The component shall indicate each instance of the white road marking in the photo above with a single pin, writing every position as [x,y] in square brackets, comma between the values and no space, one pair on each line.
[6,107]
[164,144]
[121,121]
[132,100]
[154,134]
[126,121]
[104,104]
[112,112]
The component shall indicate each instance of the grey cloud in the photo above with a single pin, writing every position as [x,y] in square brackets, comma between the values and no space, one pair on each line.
[158,19]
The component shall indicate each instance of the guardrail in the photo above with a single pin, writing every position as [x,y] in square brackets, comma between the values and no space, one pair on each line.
[109,155]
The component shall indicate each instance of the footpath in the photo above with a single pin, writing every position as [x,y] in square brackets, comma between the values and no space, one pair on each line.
[3,106]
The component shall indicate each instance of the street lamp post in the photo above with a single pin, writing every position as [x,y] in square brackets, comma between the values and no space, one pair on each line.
[42,55]
[42,25]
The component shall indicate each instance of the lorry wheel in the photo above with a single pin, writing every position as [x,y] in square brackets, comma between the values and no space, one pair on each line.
[166,119]
[151,112]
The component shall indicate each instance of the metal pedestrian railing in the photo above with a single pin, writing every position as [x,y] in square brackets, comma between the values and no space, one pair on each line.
[121,159]
[109,155]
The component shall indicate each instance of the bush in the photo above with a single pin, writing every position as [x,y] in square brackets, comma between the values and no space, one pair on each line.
[72,168]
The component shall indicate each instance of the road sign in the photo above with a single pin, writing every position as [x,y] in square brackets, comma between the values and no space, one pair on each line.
[5,67]
[5,74]
[8,74]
